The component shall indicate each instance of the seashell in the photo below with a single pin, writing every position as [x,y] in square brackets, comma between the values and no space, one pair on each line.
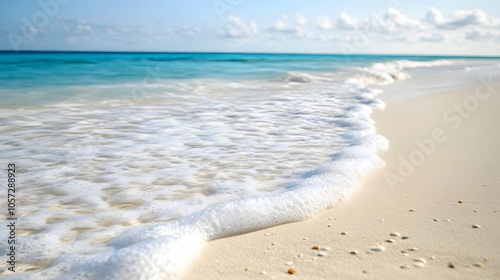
[478,265]
[288,263]
[405,237]
[419,264]
[450,265]
[460,201]
[395,234]
[354,252]
[405,266]
[421,260]
[436,220]
[321,254]
[315,247]
[344,233]
[378,248]
[390,241]
[476,226]
[292,271]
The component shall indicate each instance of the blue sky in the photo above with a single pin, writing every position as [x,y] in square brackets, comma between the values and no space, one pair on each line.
[314,26]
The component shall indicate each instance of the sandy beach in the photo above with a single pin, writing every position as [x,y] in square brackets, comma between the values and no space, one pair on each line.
[439,195]
[226,139]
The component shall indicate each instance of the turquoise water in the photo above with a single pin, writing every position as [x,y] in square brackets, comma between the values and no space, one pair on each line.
[35,78]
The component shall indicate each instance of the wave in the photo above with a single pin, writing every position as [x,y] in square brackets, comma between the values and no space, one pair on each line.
[300,77]
[165,249]
[390,72]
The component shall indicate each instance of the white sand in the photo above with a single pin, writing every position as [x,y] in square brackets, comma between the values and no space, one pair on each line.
[465,167]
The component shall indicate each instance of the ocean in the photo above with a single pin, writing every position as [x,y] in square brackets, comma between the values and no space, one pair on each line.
[128,163]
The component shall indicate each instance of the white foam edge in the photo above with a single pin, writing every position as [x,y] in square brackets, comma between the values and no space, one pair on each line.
[164,251]
[392,71]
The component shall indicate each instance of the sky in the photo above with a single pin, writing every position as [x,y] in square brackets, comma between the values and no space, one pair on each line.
[315,26]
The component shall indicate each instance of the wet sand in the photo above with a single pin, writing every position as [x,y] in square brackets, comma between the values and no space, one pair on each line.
[433,193]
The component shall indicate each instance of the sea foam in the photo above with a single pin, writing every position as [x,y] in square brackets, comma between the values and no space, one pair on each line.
[134,192]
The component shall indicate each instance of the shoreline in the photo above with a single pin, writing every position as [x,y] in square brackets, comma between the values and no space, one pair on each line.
[462,166]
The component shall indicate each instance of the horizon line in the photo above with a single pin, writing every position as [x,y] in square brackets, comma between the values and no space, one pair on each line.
[261,53]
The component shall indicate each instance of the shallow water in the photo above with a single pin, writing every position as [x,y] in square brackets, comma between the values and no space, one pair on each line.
[125,157]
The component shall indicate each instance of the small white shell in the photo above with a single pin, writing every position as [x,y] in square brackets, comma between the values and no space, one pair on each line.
[378,248]
[421,260]
[419,264]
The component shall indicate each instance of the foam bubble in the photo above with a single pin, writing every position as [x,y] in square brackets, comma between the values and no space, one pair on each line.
[115,191]
[300,77]
[390,72]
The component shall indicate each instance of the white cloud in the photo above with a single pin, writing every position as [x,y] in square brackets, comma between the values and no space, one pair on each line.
[392,20]
[188,31]
[237,28]
[393,31]
[324,23]
[434,16]
[284,25]
[459,19]
[397,19]
[83,27]
[347,22]
[78,29]
[477,34]
[301,20]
